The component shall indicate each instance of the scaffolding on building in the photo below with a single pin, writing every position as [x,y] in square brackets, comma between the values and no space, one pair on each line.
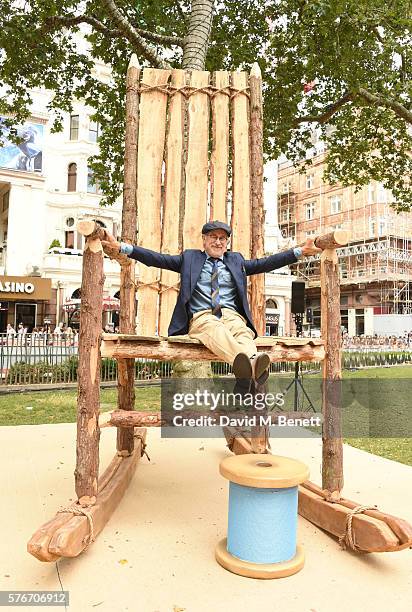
[379,255]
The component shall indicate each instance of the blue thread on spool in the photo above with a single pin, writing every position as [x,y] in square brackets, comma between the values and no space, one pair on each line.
[262,520]
[262,523]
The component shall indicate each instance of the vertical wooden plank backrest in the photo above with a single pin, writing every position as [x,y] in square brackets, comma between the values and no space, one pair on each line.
[220,148]
[149,178]
[196,189]
[257,281]
[240,165]
[171,204]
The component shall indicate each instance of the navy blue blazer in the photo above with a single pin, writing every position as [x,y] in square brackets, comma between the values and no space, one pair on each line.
[190,263]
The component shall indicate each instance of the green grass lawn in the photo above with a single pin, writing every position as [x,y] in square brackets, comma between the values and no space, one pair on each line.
[39,407]
[60,407]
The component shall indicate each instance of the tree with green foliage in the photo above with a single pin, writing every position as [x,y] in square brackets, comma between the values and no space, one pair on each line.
[340,66]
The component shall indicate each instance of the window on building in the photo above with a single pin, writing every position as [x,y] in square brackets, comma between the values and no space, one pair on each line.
[372,227]
[93,131]
[310,211]
[335,204]
[72,177]
[284,215]
[310,181]
[74,127]
[69,239]
[5,201]
[382,227]
[286,187]
[310,233]
[372,193]
[271,303]
[92,186]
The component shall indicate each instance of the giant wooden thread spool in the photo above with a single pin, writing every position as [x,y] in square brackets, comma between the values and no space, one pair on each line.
[262,522]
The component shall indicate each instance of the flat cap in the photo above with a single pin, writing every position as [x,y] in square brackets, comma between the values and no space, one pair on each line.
[215,225]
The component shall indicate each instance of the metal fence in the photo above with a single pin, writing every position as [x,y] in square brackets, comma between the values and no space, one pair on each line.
[28,359]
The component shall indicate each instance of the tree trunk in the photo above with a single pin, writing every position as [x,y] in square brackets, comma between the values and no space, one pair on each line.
[198,32]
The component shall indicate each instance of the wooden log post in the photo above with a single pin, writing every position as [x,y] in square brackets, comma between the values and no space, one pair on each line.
[257,281]
[173,186]
[126,393]
[88,399]
[332,449]
[150,154]
[219,159]
[259,435]
[240,220]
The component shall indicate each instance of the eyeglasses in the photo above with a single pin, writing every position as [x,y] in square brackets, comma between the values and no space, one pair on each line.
[218,238]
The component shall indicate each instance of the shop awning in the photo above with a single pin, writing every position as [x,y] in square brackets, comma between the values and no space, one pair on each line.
[109,303]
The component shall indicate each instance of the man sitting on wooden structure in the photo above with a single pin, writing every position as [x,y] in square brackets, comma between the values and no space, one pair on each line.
[212,304]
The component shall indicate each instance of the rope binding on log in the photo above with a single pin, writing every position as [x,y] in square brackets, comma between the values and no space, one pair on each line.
[143,445]
[80,511]
[187,90]
[346,539]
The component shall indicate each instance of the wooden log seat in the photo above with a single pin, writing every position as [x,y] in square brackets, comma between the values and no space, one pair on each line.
[174,348]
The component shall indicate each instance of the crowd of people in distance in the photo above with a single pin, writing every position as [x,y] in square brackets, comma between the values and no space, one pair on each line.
[379,342]
[45,334]
[63,334]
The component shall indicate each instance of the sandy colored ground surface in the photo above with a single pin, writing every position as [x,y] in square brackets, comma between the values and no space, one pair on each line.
[169,522]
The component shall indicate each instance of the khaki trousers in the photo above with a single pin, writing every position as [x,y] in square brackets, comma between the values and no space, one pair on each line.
[225,337]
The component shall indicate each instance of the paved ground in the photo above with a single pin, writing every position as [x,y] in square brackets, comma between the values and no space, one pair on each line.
[157,551]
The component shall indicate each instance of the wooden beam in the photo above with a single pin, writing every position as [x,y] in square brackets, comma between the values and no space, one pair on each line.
[88,399]
[153,110]
[66,534]
[219,160]
[127,320]
[240,165]
[257,281]
[332,449]
[173,194]
[237,441]
[401,528]
[370,533]
[91,229]
[333,240]
[167,351]
[196,169]
[134,418]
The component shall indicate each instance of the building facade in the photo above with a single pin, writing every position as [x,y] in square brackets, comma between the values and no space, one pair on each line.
[45,187]
[376,266]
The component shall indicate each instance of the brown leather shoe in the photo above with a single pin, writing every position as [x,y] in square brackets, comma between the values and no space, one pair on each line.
[260,367]
[242,367]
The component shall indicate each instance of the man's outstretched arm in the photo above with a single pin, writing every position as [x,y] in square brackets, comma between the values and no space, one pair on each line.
[145,256]
[273,262]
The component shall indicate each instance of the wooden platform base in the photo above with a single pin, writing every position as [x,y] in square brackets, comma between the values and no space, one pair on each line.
[372,530]
[67,535]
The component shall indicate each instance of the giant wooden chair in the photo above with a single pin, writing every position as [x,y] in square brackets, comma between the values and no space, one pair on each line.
[173,121]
